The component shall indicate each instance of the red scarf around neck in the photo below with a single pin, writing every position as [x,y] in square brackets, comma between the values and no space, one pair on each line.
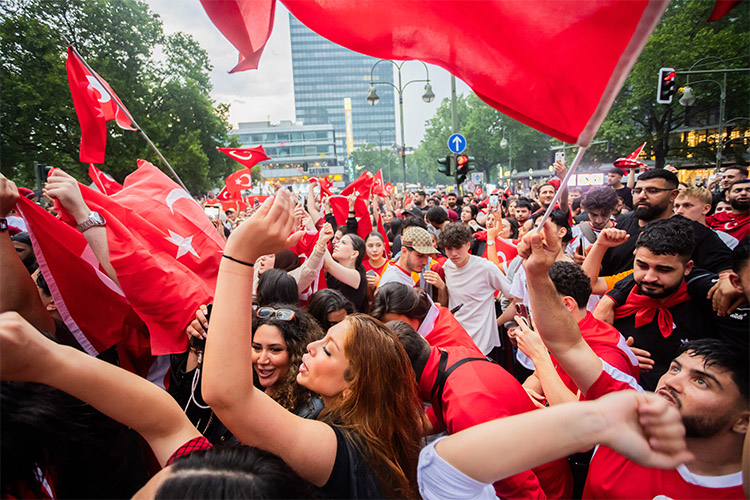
[645,307]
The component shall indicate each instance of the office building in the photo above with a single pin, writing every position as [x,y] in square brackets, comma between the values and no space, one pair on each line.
[324,75]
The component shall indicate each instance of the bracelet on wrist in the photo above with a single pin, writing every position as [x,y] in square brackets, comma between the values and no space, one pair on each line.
[248,264]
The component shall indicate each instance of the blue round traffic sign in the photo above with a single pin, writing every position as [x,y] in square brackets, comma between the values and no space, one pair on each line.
[457,143]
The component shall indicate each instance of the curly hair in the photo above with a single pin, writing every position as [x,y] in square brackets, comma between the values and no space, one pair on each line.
[454,235]
[600,198]
[672,236]
[297,334]
[570,280]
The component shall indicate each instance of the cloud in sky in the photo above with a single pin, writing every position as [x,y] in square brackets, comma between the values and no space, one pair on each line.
[268,92]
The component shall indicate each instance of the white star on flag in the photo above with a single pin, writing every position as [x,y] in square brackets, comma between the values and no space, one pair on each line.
[184,245]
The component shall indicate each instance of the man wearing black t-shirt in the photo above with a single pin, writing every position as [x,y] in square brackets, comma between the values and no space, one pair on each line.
[653,197]
[663,304]
[614,179]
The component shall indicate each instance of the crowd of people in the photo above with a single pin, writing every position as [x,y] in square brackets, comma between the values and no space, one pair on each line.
[555,343]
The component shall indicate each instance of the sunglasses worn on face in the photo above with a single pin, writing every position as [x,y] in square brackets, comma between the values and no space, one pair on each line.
[270,312]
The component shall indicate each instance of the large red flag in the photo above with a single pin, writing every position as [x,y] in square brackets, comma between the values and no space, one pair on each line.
[722,8]
[324,184]
[90,303]
[340,208]
[249,157]
[238,181]
[555,66]
[104,182]
[361,185]
[246,24]
[164,250]
[377,184]
[94,107]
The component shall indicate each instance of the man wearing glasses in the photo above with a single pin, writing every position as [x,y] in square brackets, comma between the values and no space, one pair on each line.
[653,199]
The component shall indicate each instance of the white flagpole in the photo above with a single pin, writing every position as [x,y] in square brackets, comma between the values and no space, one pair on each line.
[563,185]
[127,113]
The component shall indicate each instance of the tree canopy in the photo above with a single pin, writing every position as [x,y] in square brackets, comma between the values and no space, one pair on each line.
[162,80]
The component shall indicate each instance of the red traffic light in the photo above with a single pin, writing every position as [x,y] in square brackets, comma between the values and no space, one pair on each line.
[462,160]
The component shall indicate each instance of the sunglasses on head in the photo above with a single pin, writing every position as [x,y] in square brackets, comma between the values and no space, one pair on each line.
[270,312]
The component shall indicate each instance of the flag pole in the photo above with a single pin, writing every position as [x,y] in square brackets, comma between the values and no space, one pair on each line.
[563,185]
[127,113]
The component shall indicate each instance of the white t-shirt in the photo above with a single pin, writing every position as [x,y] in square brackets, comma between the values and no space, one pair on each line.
[393,273]
[474,285]
[439,480]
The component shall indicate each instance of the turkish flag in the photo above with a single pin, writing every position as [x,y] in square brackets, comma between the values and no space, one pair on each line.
[249,157]
[164,250]
[340,208]
[92,306]
[225,195]
[246,24]
[377,184]
[722,8]
[94,107]
[478,191]
[382,231]
[324,184]
[239,180]
[361,185]
[104,182]
[514,58]
[388,188]
[506,251]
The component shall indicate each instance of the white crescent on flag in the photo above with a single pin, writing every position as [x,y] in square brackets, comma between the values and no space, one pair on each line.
[248,183]
[174,195]
[94,84]
[240,156]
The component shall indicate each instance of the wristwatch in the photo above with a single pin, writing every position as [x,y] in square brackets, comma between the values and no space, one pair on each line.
[490,242]
[95,219]
[3,224]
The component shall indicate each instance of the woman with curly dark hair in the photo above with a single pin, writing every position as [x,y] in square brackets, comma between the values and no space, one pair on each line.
[280,338]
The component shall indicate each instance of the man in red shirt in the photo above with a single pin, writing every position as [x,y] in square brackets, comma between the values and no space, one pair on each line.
[466,390]
[737,221]
[707,382]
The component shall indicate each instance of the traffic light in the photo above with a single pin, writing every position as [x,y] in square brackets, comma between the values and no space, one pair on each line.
[665,89]
[445,166]
[463,166]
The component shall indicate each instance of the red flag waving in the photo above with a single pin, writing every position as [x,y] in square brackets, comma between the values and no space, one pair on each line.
[516,69]
[247,156]
[104,182]
[340,208]
[239,180]
[95,104]
[377,184]
[247,24]
[324,184]
[90,303]
[164,250]
[388,188]
[361,185]
[225,195]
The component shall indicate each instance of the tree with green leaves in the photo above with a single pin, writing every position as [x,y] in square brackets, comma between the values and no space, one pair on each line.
[168,95]
[682,38]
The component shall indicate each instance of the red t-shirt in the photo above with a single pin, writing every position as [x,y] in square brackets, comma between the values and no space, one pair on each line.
[737,226]
[608,344]
[480,391]
[379,270]
[613,476]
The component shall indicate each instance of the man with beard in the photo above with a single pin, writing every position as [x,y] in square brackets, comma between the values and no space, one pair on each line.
[707,382]
[415,255]
[663,304]
[731,174]
[653,199]
[737,221]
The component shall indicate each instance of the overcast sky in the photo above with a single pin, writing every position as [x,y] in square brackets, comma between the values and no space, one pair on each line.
[267,93]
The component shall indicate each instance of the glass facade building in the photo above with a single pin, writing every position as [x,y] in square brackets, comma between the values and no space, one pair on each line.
[325,74]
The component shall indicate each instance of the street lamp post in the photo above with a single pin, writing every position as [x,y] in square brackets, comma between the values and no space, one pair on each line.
[372,99]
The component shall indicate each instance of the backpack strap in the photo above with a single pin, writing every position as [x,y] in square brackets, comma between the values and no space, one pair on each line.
[442,377]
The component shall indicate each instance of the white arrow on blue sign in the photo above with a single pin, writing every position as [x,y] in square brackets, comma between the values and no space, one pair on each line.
[457,143]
